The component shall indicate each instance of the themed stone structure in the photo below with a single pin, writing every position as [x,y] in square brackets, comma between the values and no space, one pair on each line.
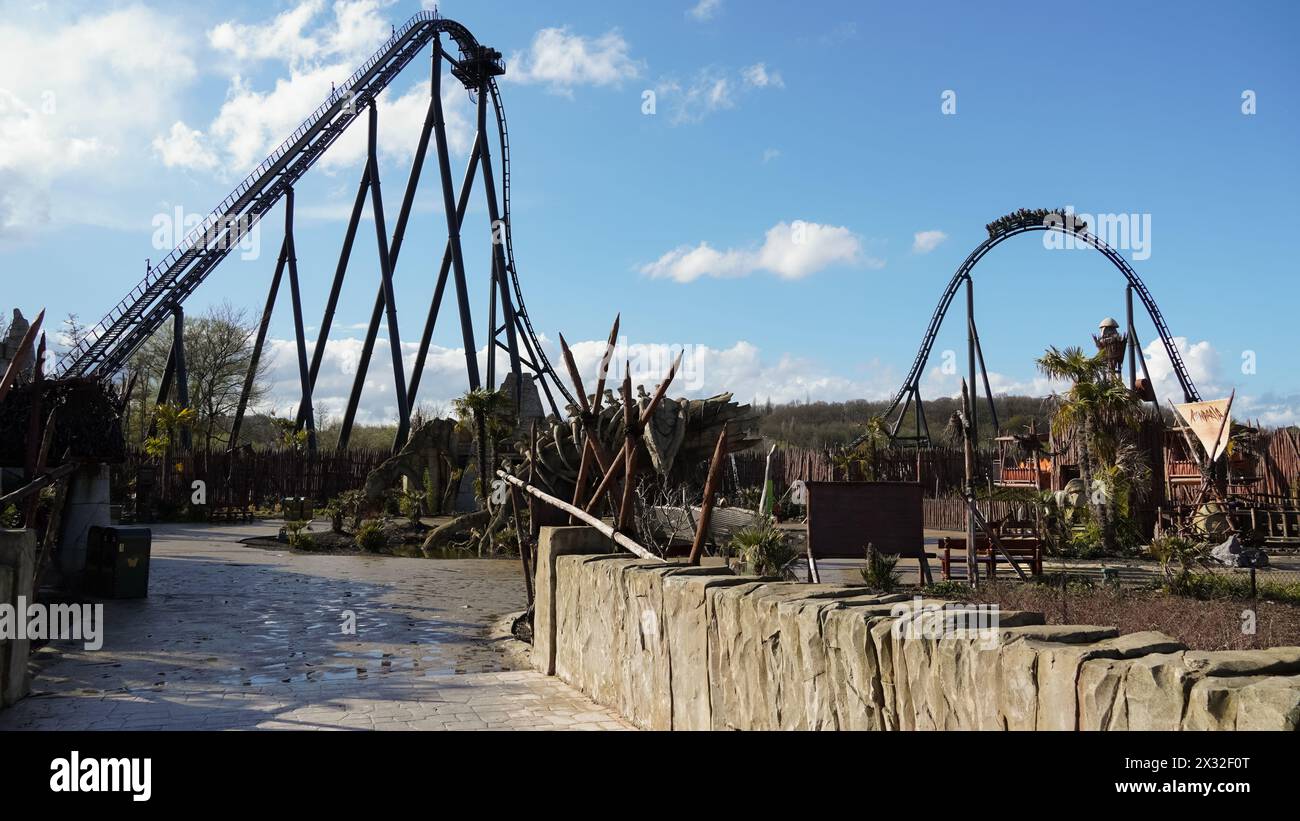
[432,448]
[678,647]
[18,326]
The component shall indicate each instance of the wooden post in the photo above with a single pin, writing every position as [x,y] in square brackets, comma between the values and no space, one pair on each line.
[523,547]
[533,528]
[586,518]
[630,433]
[710,488]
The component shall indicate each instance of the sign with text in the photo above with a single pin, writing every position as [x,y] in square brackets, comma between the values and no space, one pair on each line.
[1211,422]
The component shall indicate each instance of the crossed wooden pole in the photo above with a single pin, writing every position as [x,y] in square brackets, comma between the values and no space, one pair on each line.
[623,463]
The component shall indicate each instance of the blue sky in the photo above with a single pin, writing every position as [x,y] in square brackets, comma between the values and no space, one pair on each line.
[825,116]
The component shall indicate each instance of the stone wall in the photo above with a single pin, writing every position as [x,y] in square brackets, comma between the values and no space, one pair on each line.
[17,576]
[693,648]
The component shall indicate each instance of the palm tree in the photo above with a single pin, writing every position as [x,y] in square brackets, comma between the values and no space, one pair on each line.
[1097,410]
[488,415]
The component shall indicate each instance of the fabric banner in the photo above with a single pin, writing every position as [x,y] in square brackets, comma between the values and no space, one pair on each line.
[1211,422]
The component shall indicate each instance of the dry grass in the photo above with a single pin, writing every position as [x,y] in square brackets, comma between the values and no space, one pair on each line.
[1201,625]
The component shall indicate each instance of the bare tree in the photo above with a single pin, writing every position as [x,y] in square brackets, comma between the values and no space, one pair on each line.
[218,354]
[72,332]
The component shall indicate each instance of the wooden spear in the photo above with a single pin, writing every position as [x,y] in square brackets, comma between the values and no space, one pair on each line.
[710,487]
[24,348]
[620,460]
[591,445]
[629,454]
[589,415]
[34,445]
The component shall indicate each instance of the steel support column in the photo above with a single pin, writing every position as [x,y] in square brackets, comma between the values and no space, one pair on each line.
[164,391]
[453,227]
[182,373]
[299,333]
[984,374]
[970,346]
[462,204]
[1132,339]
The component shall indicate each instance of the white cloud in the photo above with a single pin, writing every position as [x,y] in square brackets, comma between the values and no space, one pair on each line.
[770,154]
[712,89]
[704,10]
[184,147]
[741,368]
[562,60]
[1270,409]
[923,242]
[318,54]
[789,250]
[1202,363]
[80,103]
[281,39]
[758,76]
[251,123]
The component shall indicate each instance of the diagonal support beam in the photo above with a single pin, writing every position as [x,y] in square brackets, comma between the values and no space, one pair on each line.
[462,204]
[392,252]
[340,271]
[251,377]
[386,269]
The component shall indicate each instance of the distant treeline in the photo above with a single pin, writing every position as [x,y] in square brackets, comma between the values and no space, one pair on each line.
[827,424]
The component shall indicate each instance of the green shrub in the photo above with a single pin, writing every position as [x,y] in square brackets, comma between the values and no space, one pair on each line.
[879,572]
[764,549]
[11,518]
[950,589]
[296,532]
[353,503]
[370,537]
[1207,586]
[411,505]
[1178,557]
[1086,543]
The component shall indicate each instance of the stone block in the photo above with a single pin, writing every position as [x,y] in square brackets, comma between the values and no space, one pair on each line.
[554,542]
[686,619]
[18,564]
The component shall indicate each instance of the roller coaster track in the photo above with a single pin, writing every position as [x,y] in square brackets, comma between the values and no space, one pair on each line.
[912,384]
[111,342]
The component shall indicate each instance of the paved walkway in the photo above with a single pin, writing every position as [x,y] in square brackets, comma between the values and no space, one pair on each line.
[237,637]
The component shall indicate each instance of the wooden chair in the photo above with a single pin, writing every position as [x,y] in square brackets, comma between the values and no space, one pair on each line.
[952,550]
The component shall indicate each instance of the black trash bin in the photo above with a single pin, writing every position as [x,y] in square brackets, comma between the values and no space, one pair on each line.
[117,562]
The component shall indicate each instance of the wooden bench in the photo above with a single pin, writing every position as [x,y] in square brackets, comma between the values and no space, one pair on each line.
[1023,550]
[230,513]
